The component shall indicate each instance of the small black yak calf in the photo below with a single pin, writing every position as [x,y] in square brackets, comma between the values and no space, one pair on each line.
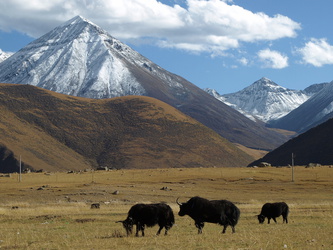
[201,210]
[272,211]
[149,215]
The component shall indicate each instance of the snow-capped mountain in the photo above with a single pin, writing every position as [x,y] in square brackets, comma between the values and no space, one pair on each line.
[81,59]
[316,110]
[221,98]
[4,55]
[80,56]
[264,100]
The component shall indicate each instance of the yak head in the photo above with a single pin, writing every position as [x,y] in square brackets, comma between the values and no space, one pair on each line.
[128,225]
[261,218]
[184,208]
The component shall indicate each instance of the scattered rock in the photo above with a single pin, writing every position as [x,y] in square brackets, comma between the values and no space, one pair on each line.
[264,164]
[6,175]
[313,165]
[103,168]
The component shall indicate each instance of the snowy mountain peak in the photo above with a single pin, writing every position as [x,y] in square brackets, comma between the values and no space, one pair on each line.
[265,81]
[264,100]
[80,21]
[265,84]
[77,19]
[4,55]
[81,59]
[76,58]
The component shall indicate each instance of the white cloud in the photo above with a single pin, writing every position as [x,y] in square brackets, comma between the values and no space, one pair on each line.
[244,61]
[211,26]
[273,59]
[317,52]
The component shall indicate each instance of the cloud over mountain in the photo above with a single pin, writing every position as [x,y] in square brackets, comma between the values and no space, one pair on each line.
[317,52]
[273,59]
[211,26]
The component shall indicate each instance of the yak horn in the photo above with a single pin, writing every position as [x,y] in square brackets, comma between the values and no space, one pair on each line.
[178,202]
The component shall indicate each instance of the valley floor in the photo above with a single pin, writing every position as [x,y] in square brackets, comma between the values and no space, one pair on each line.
[52,210]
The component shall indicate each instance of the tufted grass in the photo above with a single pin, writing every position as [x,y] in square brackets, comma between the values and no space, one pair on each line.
[59,216]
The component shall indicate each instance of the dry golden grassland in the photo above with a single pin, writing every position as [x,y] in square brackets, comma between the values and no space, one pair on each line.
[53,210]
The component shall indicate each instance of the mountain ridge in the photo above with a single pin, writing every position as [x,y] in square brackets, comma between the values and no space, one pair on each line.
[79,58]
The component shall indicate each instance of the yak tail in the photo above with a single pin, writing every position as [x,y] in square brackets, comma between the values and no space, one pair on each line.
[287,210]
[235,216]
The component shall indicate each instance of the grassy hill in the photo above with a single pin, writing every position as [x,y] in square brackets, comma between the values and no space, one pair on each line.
[57,132]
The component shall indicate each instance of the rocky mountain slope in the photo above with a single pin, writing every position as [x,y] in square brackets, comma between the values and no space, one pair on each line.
[79,58]
[57,132]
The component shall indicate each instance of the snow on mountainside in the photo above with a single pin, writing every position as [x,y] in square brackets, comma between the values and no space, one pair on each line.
[4,55]
[221,98]
[316,110]
[81,59]
[76,54]
[264,100]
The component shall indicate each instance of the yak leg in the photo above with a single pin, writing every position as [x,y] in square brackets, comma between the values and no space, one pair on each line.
[269,220]
[224,228]
[285,219]
[166,230]
[274,220]
[200,226]
[137,230]
[141,228]
[159,230]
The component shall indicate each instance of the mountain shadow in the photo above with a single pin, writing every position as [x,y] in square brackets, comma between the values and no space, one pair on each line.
[313,146]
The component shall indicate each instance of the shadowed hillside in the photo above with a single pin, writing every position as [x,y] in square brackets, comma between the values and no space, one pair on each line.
[57,132]
[313,146]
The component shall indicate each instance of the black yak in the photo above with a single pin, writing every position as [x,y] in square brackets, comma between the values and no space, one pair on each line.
[272,211]
[149,215]
[201,210]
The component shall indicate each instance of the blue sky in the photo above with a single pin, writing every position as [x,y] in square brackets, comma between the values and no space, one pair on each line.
[220,44]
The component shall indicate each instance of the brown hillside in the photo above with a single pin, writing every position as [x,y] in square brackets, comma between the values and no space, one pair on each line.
[56,132]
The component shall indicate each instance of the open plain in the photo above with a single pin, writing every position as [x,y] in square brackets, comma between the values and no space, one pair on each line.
[53,210]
